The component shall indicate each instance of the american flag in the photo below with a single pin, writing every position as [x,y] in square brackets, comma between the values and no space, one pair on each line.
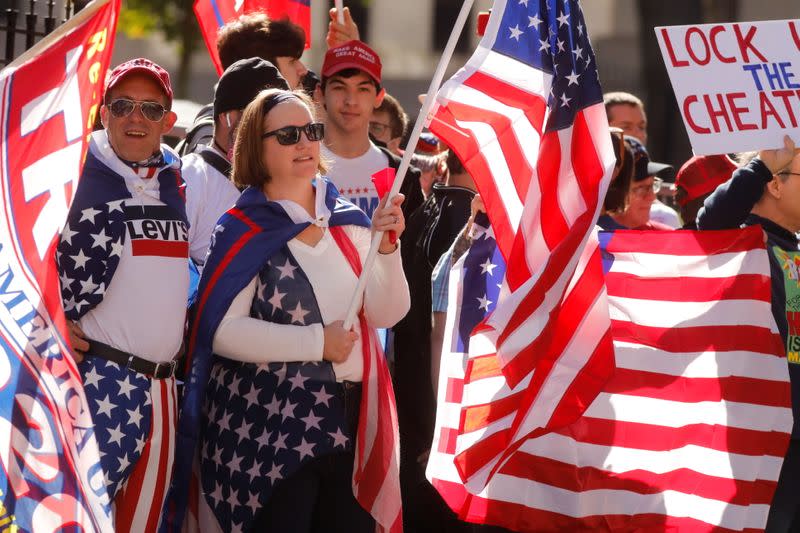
[214,14]
[526,117]
[690,432]
[50,468]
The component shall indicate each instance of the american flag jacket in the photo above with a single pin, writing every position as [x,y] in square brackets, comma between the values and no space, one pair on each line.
[247,238]
[92,240]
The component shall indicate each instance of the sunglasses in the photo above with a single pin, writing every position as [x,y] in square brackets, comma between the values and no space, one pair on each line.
[643,190]
[122,107]
[290,135]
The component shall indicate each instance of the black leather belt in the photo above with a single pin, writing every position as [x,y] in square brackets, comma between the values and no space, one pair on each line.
[137,364]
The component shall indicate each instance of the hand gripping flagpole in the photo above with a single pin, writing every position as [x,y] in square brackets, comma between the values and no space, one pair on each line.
[427,104]
[339,5]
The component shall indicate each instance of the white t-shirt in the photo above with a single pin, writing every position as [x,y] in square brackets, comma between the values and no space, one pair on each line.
[664,214]
[143,311]
[353,176]
[208,195]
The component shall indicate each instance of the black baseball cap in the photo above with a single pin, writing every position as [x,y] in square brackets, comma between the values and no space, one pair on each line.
[242,81]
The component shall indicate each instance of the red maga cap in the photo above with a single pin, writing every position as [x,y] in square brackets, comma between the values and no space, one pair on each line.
[145,66]
[352,54]
[700,175]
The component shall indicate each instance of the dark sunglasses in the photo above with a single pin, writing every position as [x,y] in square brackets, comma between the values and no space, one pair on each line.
[289,135]
[122,107]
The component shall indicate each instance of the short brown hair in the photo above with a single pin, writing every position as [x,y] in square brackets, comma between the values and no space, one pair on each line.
[398,120]
[248,168]
[621,98]
[255,35]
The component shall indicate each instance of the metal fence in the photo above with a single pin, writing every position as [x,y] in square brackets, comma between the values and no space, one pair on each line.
[22,28]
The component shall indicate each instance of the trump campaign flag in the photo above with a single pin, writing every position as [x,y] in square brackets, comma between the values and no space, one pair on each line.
[214,14]
[690,432]
[51,476]
[526,117]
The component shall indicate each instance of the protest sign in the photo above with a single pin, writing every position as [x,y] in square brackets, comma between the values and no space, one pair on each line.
[737,85]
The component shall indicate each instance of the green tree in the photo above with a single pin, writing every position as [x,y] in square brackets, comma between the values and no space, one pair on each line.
[175,19]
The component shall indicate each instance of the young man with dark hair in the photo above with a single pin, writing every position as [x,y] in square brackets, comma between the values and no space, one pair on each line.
[766,191]
[389,123]
[350,92]
[280,42]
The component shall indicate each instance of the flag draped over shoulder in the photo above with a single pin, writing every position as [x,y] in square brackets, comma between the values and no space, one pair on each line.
[51,477]
[690,432]
[526,117]
[214,14]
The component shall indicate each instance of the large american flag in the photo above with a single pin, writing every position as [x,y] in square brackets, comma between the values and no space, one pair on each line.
[690,432]
[526,117]
[50,469]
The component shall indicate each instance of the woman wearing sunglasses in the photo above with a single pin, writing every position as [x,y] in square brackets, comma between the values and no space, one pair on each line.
[283,423]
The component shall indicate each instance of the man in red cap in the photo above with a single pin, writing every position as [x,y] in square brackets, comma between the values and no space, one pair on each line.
[696,180]
[350,91]
[123,263]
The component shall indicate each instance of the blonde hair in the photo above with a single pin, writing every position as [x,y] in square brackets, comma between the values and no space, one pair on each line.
[248,166]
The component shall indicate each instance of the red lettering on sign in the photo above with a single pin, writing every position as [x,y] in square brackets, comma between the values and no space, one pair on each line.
[688,114]
[745,43]
[737,112]
[671,51]
[690,49]
[714,114]
[767,109]
[785,95]
[716,30]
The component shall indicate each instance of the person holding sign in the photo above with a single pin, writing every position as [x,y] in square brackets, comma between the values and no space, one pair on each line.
[766,191]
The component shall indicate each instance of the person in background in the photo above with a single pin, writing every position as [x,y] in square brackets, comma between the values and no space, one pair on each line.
[766,191]
[209,190]
[641,194]
[696,180]
[430,232]
[281,42]
[626,111]
[350,92]
[389,123]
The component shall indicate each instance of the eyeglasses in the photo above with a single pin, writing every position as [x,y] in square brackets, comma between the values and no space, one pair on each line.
[643,190]
[290,135]
[378,128]
[122,107]
[788,174]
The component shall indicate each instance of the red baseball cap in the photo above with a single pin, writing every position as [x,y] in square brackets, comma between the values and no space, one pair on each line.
[352,54]
[144,66]
[700,175]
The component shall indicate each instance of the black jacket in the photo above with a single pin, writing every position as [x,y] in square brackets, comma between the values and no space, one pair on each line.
[729,207]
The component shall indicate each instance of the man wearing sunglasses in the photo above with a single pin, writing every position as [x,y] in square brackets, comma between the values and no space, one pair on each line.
[350,92]
[123,264]
[766,191]
[209,191]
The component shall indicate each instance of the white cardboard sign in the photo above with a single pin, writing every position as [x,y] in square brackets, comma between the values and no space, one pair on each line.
[737,85]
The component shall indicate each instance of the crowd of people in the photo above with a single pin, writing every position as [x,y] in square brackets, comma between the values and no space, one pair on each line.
[269,200]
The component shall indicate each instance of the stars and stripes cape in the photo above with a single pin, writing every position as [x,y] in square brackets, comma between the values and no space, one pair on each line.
[244,240]
[97,216]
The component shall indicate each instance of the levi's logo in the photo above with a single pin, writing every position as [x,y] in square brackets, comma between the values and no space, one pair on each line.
[155,230]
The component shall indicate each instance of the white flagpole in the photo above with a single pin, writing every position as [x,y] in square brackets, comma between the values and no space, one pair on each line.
[427,104]
[339,5]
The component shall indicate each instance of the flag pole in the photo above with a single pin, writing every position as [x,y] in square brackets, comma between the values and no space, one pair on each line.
[427,104]
[339,5]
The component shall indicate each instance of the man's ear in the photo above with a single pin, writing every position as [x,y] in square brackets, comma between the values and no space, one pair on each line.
[379,98]
[104,116]
[774,187]
[168,122]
